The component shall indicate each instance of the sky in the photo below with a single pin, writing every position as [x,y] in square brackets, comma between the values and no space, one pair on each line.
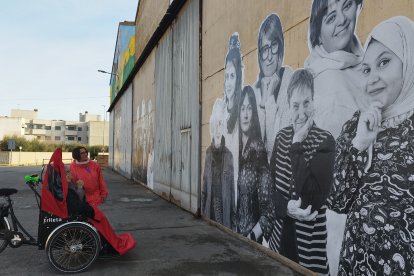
[50,52]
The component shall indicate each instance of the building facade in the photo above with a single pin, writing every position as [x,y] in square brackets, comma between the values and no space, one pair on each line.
[208,114]
[89,130]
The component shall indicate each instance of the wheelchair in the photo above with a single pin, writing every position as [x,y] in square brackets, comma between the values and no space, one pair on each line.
[72,244]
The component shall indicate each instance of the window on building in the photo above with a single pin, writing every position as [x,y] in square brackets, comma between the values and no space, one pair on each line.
[71,138]
[58,128]
[79,138]
[87,128]
[71,127]
[79,129]
[57,138]
[48,138]
[48,127]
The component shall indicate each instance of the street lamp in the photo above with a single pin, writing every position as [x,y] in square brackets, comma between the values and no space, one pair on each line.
[103,131]
[20,152]
[105,72]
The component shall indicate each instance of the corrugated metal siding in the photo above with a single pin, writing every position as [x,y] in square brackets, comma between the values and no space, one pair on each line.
[176,162]
[111,140]
[163,98]
[185,117]
[123,133]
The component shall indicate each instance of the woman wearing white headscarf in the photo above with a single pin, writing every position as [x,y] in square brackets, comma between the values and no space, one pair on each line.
[374,168]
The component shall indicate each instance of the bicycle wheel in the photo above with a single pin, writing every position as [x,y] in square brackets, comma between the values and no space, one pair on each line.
[4,228]
[73,247]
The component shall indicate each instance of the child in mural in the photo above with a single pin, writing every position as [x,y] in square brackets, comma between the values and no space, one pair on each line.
[233,80]
[374,171]
[218,191]
[254,176]
[302,170]
[335,54]
[270,87]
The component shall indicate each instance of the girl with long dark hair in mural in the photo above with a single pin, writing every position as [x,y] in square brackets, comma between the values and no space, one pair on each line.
[270,87]
[233,80]
[218,191]
[374,172]
[302,169]
[254,172]
[335,54]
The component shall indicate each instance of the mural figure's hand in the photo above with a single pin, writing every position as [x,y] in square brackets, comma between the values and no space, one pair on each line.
[294,211]
[268,86]
[302,132]
[368,126]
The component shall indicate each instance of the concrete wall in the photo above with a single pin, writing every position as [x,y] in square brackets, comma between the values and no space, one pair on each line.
[150,13]
[30,158]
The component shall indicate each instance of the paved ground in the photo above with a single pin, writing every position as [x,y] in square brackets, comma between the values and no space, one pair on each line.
[170,241]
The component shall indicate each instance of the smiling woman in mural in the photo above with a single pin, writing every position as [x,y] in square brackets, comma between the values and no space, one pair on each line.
[270,87]
[218,181]
[374,175]
[335,54]
[254,172]
[335,51]
[302,170]
[233,80]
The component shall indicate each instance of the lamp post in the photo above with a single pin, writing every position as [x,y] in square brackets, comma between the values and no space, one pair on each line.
[103,130]
[105,72]
[20,152]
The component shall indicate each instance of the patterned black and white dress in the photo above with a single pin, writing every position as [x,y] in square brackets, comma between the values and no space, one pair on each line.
[252,186]
[302,169]
[379,201]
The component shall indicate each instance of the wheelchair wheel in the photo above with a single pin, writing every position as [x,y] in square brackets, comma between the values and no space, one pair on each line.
[73,247]
[4,228]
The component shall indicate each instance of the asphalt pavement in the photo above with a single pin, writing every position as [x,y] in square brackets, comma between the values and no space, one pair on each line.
[170,241]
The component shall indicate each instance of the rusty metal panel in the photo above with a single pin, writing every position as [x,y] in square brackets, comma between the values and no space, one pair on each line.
[122,128]
[163,100]
[185,107]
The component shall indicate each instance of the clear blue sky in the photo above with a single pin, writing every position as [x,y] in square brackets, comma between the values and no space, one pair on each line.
[50,52]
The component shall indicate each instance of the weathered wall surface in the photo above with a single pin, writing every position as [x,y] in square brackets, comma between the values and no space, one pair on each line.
[143,120]
[122,127]
[148,18]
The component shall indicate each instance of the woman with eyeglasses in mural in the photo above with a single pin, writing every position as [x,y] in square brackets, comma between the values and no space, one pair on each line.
[270,87]
[254,178]
[374,166]
[87,174]
[335,54]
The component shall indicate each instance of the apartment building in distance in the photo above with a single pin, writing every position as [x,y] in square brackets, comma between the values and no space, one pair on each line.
[90,130]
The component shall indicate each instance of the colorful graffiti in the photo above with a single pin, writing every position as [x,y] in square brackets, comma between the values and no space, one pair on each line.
[124,57]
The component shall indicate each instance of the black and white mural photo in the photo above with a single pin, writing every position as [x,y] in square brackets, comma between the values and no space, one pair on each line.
[316,162]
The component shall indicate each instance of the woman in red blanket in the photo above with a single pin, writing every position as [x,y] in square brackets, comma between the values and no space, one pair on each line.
[88,174]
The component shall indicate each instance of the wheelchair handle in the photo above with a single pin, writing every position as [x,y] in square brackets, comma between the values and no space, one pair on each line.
[32,178]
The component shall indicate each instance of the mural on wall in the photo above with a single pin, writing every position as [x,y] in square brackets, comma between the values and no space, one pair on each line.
[143,143]
[124,57]
[317,163]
